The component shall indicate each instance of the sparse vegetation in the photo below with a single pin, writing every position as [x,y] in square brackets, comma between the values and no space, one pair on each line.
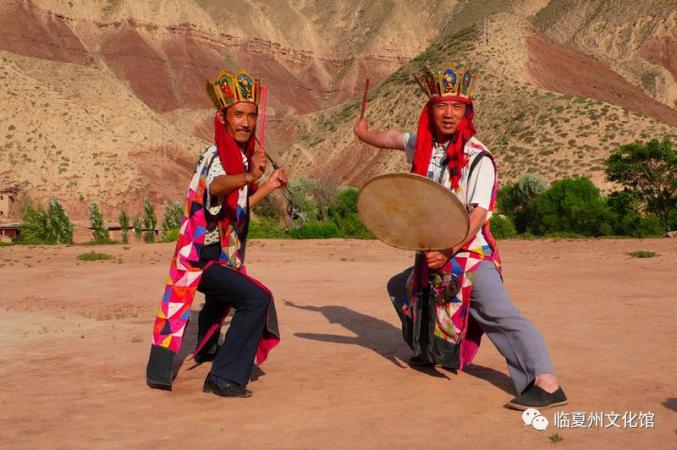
[555,438]
[94,256]
[643,254]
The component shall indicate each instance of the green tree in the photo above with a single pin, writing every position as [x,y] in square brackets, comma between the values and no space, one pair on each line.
[35,226]
[46,226]
[171,221]
[99,228]
[149,221]
[137,226]
[650,171]
[58,223]
[123,218]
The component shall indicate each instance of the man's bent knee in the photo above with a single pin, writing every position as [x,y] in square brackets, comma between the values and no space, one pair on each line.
[262,300]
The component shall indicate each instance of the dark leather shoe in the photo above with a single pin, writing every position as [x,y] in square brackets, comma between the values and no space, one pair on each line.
[224,388]
[535,397]
[420,361]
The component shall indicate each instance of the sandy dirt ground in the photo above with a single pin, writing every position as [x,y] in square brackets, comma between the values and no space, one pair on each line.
[75,338]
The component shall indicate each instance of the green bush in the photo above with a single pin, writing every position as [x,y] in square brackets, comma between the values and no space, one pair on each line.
[170,235]
[313,197]
[650,226]
[672,220]
[343,212]
[266,228]
[316,230]
[502,227]
[171,222]
[628,221]
[265,208]
[571,205]
[515,200]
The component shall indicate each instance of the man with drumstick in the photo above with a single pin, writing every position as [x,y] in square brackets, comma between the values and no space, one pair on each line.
[461,288]
[210,250]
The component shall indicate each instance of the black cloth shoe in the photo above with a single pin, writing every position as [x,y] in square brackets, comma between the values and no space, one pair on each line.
[420,361]
[225,388]
[535,397]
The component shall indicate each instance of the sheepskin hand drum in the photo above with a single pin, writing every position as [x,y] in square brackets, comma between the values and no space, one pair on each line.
[411,212]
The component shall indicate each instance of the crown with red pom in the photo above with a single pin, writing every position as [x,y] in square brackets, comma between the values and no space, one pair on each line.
[230,88]
[455,81]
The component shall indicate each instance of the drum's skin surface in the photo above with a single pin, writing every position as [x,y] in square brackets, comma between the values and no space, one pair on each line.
[411,212]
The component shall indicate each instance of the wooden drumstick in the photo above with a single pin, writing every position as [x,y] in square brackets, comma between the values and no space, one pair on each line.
[262,117]
[364,98]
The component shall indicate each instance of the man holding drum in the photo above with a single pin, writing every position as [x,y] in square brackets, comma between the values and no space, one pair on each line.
[451,297]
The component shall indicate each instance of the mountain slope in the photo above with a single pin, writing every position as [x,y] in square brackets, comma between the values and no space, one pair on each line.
[532,119]
[104,100]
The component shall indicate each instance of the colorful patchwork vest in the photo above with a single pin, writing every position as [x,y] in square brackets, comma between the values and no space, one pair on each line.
[184,277]
[436,320]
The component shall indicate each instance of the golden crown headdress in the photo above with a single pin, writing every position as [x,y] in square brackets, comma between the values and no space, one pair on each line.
[454,81]
[230,88]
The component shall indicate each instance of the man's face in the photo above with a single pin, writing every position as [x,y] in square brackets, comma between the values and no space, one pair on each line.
[447,116]
[240,121]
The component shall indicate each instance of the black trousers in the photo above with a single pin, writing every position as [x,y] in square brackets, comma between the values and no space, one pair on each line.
[224,288]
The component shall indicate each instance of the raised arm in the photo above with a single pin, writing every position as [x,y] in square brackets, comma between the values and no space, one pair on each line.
[225,184]
[390,139]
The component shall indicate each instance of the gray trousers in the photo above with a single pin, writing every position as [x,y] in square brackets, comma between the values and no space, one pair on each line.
[514,336]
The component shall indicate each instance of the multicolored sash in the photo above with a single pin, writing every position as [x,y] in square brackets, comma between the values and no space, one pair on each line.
[438,308]
[184,277]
